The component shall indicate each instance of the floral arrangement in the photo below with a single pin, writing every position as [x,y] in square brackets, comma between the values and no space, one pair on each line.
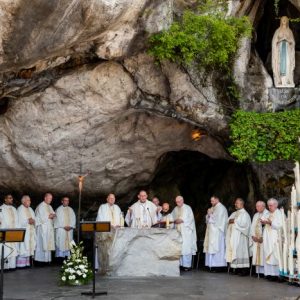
[76,270]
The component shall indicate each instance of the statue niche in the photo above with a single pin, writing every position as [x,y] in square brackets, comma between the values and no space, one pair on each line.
[283,55]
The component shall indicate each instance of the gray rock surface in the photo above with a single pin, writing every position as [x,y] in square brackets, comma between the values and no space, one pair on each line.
[44,30]
[140,252]
[81,91]
[86,118]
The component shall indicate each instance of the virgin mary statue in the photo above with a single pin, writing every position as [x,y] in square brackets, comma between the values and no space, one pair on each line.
[283,55]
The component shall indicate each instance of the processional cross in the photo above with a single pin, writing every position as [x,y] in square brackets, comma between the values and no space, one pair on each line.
[80,187]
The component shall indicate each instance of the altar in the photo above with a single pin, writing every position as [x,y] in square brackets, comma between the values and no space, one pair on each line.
[139,252]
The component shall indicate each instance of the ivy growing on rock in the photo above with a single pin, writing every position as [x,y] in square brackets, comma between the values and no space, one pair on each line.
[211,40]
[263,137]
[208,38]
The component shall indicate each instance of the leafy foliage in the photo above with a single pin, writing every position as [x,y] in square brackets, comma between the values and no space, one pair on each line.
[264,137]
[211,39]
[76,269]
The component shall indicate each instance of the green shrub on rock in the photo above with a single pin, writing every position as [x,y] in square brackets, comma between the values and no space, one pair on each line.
[263,137]
[211,40]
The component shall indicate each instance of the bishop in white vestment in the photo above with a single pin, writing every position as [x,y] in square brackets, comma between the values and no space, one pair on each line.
[9,219]
[185,223]
[110,212]
[26,220]
[64,224]
[45,243]
[142,214]
[273,227]
[238,240]
[214,242]
[257,236]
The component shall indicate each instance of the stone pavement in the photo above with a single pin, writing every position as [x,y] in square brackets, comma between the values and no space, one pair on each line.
[42,283]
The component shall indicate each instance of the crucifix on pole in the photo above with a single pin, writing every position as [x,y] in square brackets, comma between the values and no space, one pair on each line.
[80,187]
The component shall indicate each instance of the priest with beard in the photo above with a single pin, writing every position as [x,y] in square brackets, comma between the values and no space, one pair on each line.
[64,224]
[214,242]
[238,240]
[9,219]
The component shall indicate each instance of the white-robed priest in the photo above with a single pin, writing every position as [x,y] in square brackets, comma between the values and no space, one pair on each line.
[45,243]
[110,212]
[64,224]
[184,221]
[9,219]
[238,240]
[257,236]
[143,213]
[214,242]
[273,226]
[26,217]
[156,202]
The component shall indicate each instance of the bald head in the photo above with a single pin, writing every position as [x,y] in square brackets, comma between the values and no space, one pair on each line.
[260,206]
[26,200]
[179,201]
[111,199]
[48,198]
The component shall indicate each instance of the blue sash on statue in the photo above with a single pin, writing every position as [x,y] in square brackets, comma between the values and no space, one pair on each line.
[283,54]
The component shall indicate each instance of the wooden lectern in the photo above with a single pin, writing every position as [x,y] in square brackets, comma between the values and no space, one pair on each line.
[93,227]
[8,235]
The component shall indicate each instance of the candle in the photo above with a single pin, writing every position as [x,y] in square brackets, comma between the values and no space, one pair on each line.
[293,197]
[122,220]
[297,181]
[291,261]
[288,227]
[292,243]
[167,222]
[279,251]
[283,224]
[298,243]
[293,228]
[285,245]
[285,259]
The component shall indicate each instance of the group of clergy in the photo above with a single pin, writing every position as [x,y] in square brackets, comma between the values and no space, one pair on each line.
[229,240]
[235,240]
[46,230]
[146,214]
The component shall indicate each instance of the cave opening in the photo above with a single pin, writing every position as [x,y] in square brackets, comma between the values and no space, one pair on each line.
[197,177]
[267,24]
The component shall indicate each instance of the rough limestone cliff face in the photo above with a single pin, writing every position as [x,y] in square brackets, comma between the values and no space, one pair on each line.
[77,88]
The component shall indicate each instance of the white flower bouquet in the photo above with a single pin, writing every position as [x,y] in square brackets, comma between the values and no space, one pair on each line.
[76,270]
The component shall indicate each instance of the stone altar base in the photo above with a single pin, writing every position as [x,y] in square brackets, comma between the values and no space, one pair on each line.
[139,252]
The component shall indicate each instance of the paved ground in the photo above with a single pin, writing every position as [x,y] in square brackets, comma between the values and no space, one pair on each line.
[42,283]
